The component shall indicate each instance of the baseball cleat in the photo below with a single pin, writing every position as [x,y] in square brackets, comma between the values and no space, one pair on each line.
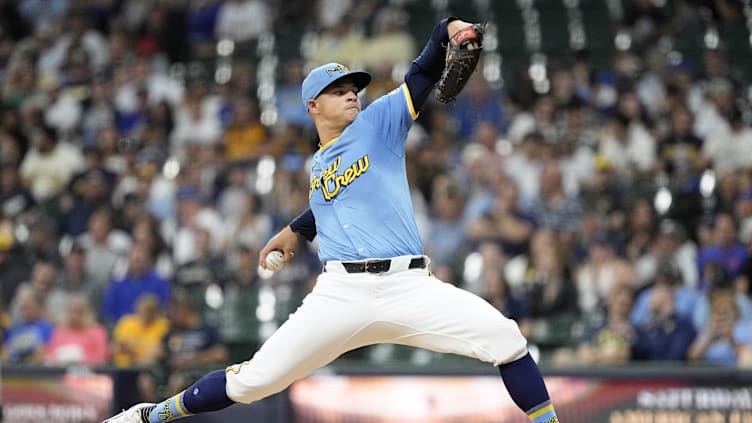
[131,415]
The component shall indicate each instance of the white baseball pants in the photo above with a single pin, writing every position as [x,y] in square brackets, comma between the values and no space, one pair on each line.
[345,311]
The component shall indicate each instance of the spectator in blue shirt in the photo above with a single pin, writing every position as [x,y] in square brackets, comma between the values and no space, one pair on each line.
[725,248]
[121,295]
[715,276]
[666,336]
[685,299]
[478,103]
[726,334]
[24,342]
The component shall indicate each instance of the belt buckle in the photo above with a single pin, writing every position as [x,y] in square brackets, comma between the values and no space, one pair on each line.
[372,266]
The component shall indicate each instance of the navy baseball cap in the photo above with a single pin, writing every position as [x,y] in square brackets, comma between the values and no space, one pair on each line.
[325,75]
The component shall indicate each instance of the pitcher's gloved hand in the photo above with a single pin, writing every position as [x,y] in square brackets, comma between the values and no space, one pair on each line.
[462,56]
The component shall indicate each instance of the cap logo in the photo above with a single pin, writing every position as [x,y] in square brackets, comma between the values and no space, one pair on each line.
[338,68]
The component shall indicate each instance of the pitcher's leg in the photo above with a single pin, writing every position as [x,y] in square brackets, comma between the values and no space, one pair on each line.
[316,334]
[327,324]
[441,317]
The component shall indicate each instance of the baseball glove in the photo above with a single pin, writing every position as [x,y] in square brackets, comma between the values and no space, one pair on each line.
[460,62]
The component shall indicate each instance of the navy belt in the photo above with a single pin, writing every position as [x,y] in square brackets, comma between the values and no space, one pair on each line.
[379,266]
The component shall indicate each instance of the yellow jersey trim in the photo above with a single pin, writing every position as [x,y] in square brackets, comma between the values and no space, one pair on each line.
[328,143]
[410,105]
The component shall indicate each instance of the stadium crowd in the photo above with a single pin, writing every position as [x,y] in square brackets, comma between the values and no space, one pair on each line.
[609,213]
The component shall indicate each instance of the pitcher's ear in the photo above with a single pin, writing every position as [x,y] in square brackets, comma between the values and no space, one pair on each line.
[312,105]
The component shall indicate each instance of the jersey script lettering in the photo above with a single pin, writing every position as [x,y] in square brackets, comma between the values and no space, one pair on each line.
[330,182]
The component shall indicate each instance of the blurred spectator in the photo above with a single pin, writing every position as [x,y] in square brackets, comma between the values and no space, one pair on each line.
[49,165]
[447,229]
[609,342]
[206,268]
[666,336]
[191,345]
[43,12]
[15,199]
[604,195]
[99,114]
[25,340]
[143,73]
[74,280]
[627,145]
[553,207]
[238,320]
[248,226]
[716,278]
[201,23]
[482,176]
[338,42]
[121,294]
[132,121]
[577,163]
[63,109]
[233,18]
[670,242]
[639,231]
[197,119]
[667,275]
[601,270]
[390,44]
[158,126]
[728,150]
[503,222]
[77,34]
[14,268]
[562,84]
[645,20]
[13,146]
[580,124]
[541,119]
[245,138]
[546,284]
[291,110]
[711,116]
[94,164]
[78,339]
[146,234]
[163,31]
[42,242]
[137,337]
[90,191]
[4,320]
[478,103]
[104,246]
[725,248]
[680,151]
[44,285]
[191,215]
[498,294]
[721,341]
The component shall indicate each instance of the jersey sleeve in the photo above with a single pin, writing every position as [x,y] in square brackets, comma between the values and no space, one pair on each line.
[392,115]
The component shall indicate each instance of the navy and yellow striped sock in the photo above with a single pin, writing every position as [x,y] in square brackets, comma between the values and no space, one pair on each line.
[543,413]
[528,389]
[168,410]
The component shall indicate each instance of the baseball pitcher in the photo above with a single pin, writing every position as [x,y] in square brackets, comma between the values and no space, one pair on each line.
[375,286]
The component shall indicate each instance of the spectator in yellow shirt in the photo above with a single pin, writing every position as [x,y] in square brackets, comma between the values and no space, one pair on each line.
[137,337]
[245,138]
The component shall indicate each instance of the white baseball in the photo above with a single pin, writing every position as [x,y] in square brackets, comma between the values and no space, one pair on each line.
[275,260]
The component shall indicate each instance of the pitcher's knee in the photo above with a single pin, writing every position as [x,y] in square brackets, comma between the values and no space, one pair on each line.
[251,385]
[508,343]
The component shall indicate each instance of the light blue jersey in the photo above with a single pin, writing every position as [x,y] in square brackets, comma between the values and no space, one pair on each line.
[359,192]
